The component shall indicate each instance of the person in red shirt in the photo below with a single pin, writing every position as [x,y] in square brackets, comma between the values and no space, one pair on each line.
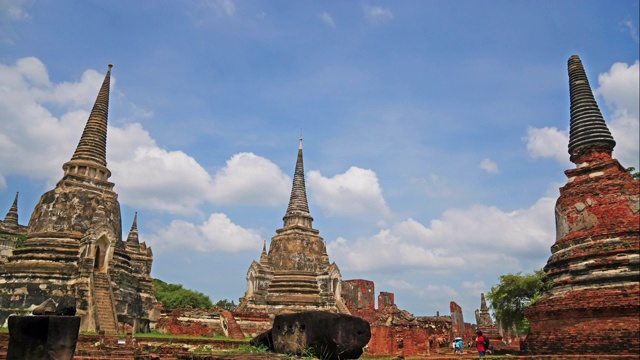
[480,344]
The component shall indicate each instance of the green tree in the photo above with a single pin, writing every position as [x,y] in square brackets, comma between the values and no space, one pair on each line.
[174,296]
[634,174]
[512,295]
[226,304]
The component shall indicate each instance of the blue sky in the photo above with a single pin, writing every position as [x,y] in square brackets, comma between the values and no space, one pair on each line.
[435,132]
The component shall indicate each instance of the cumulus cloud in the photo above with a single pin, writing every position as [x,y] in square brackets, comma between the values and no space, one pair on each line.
[28,129]
[217,233]
[354,193]
[489,166]
[449,242]
[327,19]
[548,142]
[149,177]
[377,13]
[619,89]
[251,179]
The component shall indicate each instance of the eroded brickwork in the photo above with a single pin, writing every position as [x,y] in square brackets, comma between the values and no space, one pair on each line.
[592,301]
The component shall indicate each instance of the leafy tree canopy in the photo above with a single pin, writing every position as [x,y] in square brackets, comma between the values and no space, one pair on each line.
[634,174]
[226,304]
[512,295]
[174,296]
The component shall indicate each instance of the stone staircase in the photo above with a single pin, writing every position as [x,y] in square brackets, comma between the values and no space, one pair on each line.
[234,330]
[104,304]
[294,288]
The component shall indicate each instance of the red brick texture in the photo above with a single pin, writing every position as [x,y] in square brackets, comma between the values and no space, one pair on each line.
[592,301]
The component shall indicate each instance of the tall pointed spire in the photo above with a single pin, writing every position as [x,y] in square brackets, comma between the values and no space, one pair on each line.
[264,258]
[90,157]
[298,205]
[93,143]
[133,233]
[588,127]
[11,220]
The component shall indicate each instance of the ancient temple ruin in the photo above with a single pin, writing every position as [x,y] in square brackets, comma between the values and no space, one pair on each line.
[591,304]
[74,244]
[12,234]
[486,325]
[295,275]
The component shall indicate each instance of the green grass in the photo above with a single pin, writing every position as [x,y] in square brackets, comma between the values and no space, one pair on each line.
[155,334]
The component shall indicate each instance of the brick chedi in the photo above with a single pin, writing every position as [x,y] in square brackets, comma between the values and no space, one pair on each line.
[74,244]
[295,275]
[592,301]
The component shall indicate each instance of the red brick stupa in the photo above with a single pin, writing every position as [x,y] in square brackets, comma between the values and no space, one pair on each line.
[592,301]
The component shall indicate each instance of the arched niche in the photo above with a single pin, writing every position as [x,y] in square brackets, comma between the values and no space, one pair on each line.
[101,254]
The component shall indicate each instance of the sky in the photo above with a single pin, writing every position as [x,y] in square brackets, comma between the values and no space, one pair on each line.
[435,132]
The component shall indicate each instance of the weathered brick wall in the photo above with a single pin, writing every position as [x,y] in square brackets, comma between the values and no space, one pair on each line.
[194,322]
[359,294]
[592,305]
[359,297]
[457,318]
[252,323]
[385,299]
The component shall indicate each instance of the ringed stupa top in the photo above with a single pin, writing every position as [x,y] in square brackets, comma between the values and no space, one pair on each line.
[588,127]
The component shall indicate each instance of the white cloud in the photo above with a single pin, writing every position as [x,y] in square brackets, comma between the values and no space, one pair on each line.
[217,233]
[146,175]
[28,130]
[400,284]
[548,142]
[250,179]
[377,13]
[327,19]
[620,89]
[454,240]
[354,193]
[149,177]
[489,166]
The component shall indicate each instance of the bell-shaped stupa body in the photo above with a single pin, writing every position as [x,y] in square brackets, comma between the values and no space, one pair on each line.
[591,304]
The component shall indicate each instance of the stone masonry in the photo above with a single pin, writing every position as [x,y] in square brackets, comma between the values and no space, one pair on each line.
[295,275]
[74,244]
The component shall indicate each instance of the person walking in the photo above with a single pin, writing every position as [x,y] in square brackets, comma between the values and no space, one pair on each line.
[480,344]
[459,344]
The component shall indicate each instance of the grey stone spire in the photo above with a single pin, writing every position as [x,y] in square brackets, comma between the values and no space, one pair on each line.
[11,220]
[89,161]
[298,209]
[588,127]
[133,233]
[264,258]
